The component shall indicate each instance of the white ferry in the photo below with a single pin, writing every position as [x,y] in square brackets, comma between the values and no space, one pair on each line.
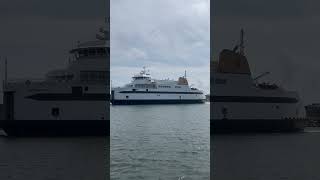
[145,90]
[68,101]
[241,103]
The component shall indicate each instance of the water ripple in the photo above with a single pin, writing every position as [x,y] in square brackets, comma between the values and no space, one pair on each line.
[160,142]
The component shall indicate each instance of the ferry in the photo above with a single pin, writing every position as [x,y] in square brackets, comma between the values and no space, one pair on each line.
[69,101]
[143,89]
[239,102]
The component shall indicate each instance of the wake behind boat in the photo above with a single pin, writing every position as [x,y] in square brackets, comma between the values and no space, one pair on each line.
[145,90]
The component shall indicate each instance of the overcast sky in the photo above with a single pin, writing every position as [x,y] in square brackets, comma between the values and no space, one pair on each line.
[280,36]
[166,36]
[37,35]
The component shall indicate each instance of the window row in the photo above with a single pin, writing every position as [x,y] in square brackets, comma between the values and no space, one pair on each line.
[145,86]
[93,52]
[161,86]
[93,76]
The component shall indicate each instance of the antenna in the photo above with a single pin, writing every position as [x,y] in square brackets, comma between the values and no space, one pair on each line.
[2,79]
[148,72]
[241,42]
[144,69]
[5,72]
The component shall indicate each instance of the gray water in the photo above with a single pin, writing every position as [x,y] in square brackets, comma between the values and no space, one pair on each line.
[160,142]
[278,156]
[80,158]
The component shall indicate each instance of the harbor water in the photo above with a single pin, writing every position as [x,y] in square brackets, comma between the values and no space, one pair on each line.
[276,156]
[160,142]
[80,158]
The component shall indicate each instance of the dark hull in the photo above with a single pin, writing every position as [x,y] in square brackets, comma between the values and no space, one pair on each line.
[256,125]
[137,102]
[56,127]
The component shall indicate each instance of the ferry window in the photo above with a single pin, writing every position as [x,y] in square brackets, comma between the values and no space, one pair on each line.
[101,51]
[85,52]
[145,86]
[147,89]
[77,90]
[133,89]
[92,52]
[93,75]
[127,97]
[220,81]
[81,53]
[55,112]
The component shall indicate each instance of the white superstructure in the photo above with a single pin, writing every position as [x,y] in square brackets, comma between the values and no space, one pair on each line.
[78,92]
[145,90]
[238,96]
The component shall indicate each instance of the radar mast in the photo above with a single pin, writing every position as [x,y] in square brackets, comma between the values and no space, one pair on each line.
[241,42]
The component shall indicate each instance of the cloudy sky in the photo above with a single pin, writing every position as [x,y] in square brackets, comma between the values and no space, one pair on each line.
[166,36]
[36,35]
[280,36]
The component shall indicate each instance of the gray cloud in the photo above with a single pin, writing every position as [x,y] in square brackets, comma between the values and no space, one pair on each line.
[160,34]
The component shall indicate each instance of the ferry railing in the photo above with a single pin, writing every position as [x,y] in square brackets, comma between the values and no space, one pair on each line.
[19,80]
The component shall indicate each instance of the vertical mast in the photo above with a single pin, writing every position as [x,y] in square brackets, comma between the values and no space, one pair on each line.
[185,74]
[241,42]
[5,72]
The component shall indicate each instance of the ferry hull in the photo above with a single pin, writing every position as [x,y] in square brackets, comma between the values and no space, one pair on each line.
[171,101]
[56,127]
[256,125]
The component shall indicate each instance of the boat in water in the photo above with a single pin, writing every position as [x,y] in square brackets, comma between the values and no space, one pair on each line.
[70,101]
[145,90]
[239,103]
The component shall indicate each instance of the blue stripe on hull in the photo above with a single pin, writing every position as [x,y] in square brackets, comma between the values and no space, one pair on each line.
[56,127]
[253,99]
[255,125]
[136,102]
